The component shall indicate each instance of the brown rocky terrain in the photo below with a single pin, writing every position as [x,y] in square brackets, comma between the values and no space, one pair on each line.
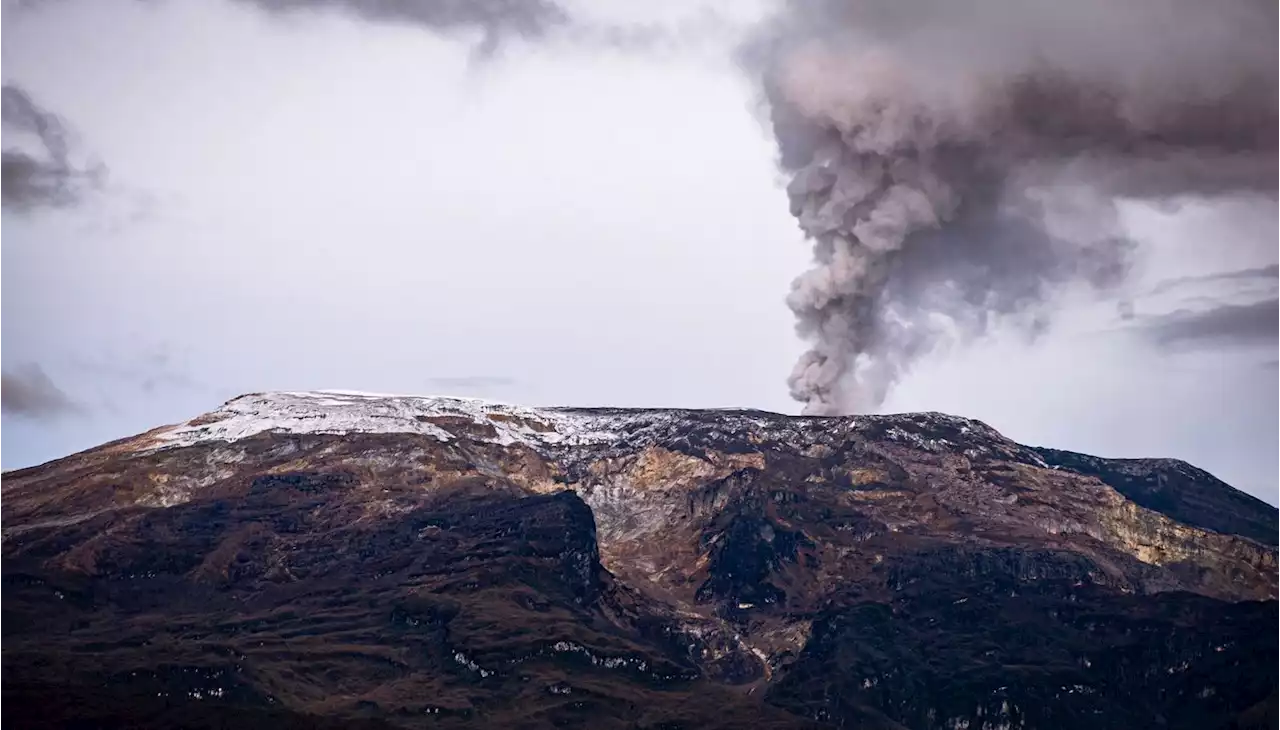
[328,559]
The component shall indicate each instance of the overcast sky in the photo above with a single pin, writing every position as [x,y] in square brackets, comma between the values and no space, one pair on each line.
[251,201]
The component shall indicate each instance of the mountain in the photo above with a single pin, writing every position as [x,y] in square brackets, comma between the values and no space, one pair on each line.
[336,559]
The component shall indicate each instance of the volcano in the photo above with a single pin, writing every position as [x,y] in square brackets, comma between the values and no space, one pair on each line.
[338,559]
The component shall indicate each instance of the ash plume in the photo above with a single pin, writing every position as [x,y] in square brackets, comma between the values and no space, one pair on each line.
[959,163]
[48,178]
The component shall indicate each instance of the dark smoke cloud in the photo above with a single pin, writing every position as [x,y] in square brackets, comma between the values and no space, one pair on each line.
[28,392]
[959,163]
[48,178]
[1224,325]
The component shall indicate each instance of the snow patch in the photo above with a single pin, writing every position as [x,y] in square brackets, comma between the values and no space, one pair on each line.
[340,412]
[543,429]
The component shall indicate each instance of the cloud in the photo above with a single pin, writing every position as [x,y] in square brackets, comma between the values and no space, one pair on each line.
[47,177]
[1257,323]
[28,392]
[497,20]
[543,21]
[472,382]
[1268,274]
[149,370]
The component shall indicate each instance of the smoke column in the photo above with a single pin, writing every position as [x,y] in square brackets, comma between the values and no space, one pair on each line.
[955,163]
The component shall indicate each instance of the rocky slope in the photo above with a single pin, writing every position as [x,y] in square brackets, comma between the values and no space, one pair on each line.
[340,559]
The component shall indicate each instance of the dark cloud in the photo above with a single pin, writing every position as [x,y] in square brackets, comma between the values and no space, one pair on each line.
[497,20]
[1269,274]
[28,392]
[1219,309]
[1224,325]
[522,17]
[47,177]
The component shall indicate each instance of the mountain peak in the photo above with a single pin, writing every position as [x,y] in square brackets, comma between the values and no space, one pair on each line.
[345,411]
[352,555]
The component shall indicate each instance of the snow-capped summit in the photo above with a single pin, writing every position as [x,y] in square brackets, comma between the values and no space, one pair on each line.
[338,411]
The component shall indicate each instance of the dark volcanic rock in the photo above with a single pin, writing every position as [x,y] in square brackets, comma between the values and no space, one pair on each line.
[468,607]
[1010,639]
[328,560]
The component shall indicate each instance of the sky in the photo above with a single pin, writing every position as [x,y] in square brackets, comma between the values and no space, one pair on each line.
[242,199]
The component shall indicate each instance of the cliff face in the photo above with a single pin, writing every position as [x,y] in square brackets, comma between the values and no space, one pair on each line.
[316,558]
